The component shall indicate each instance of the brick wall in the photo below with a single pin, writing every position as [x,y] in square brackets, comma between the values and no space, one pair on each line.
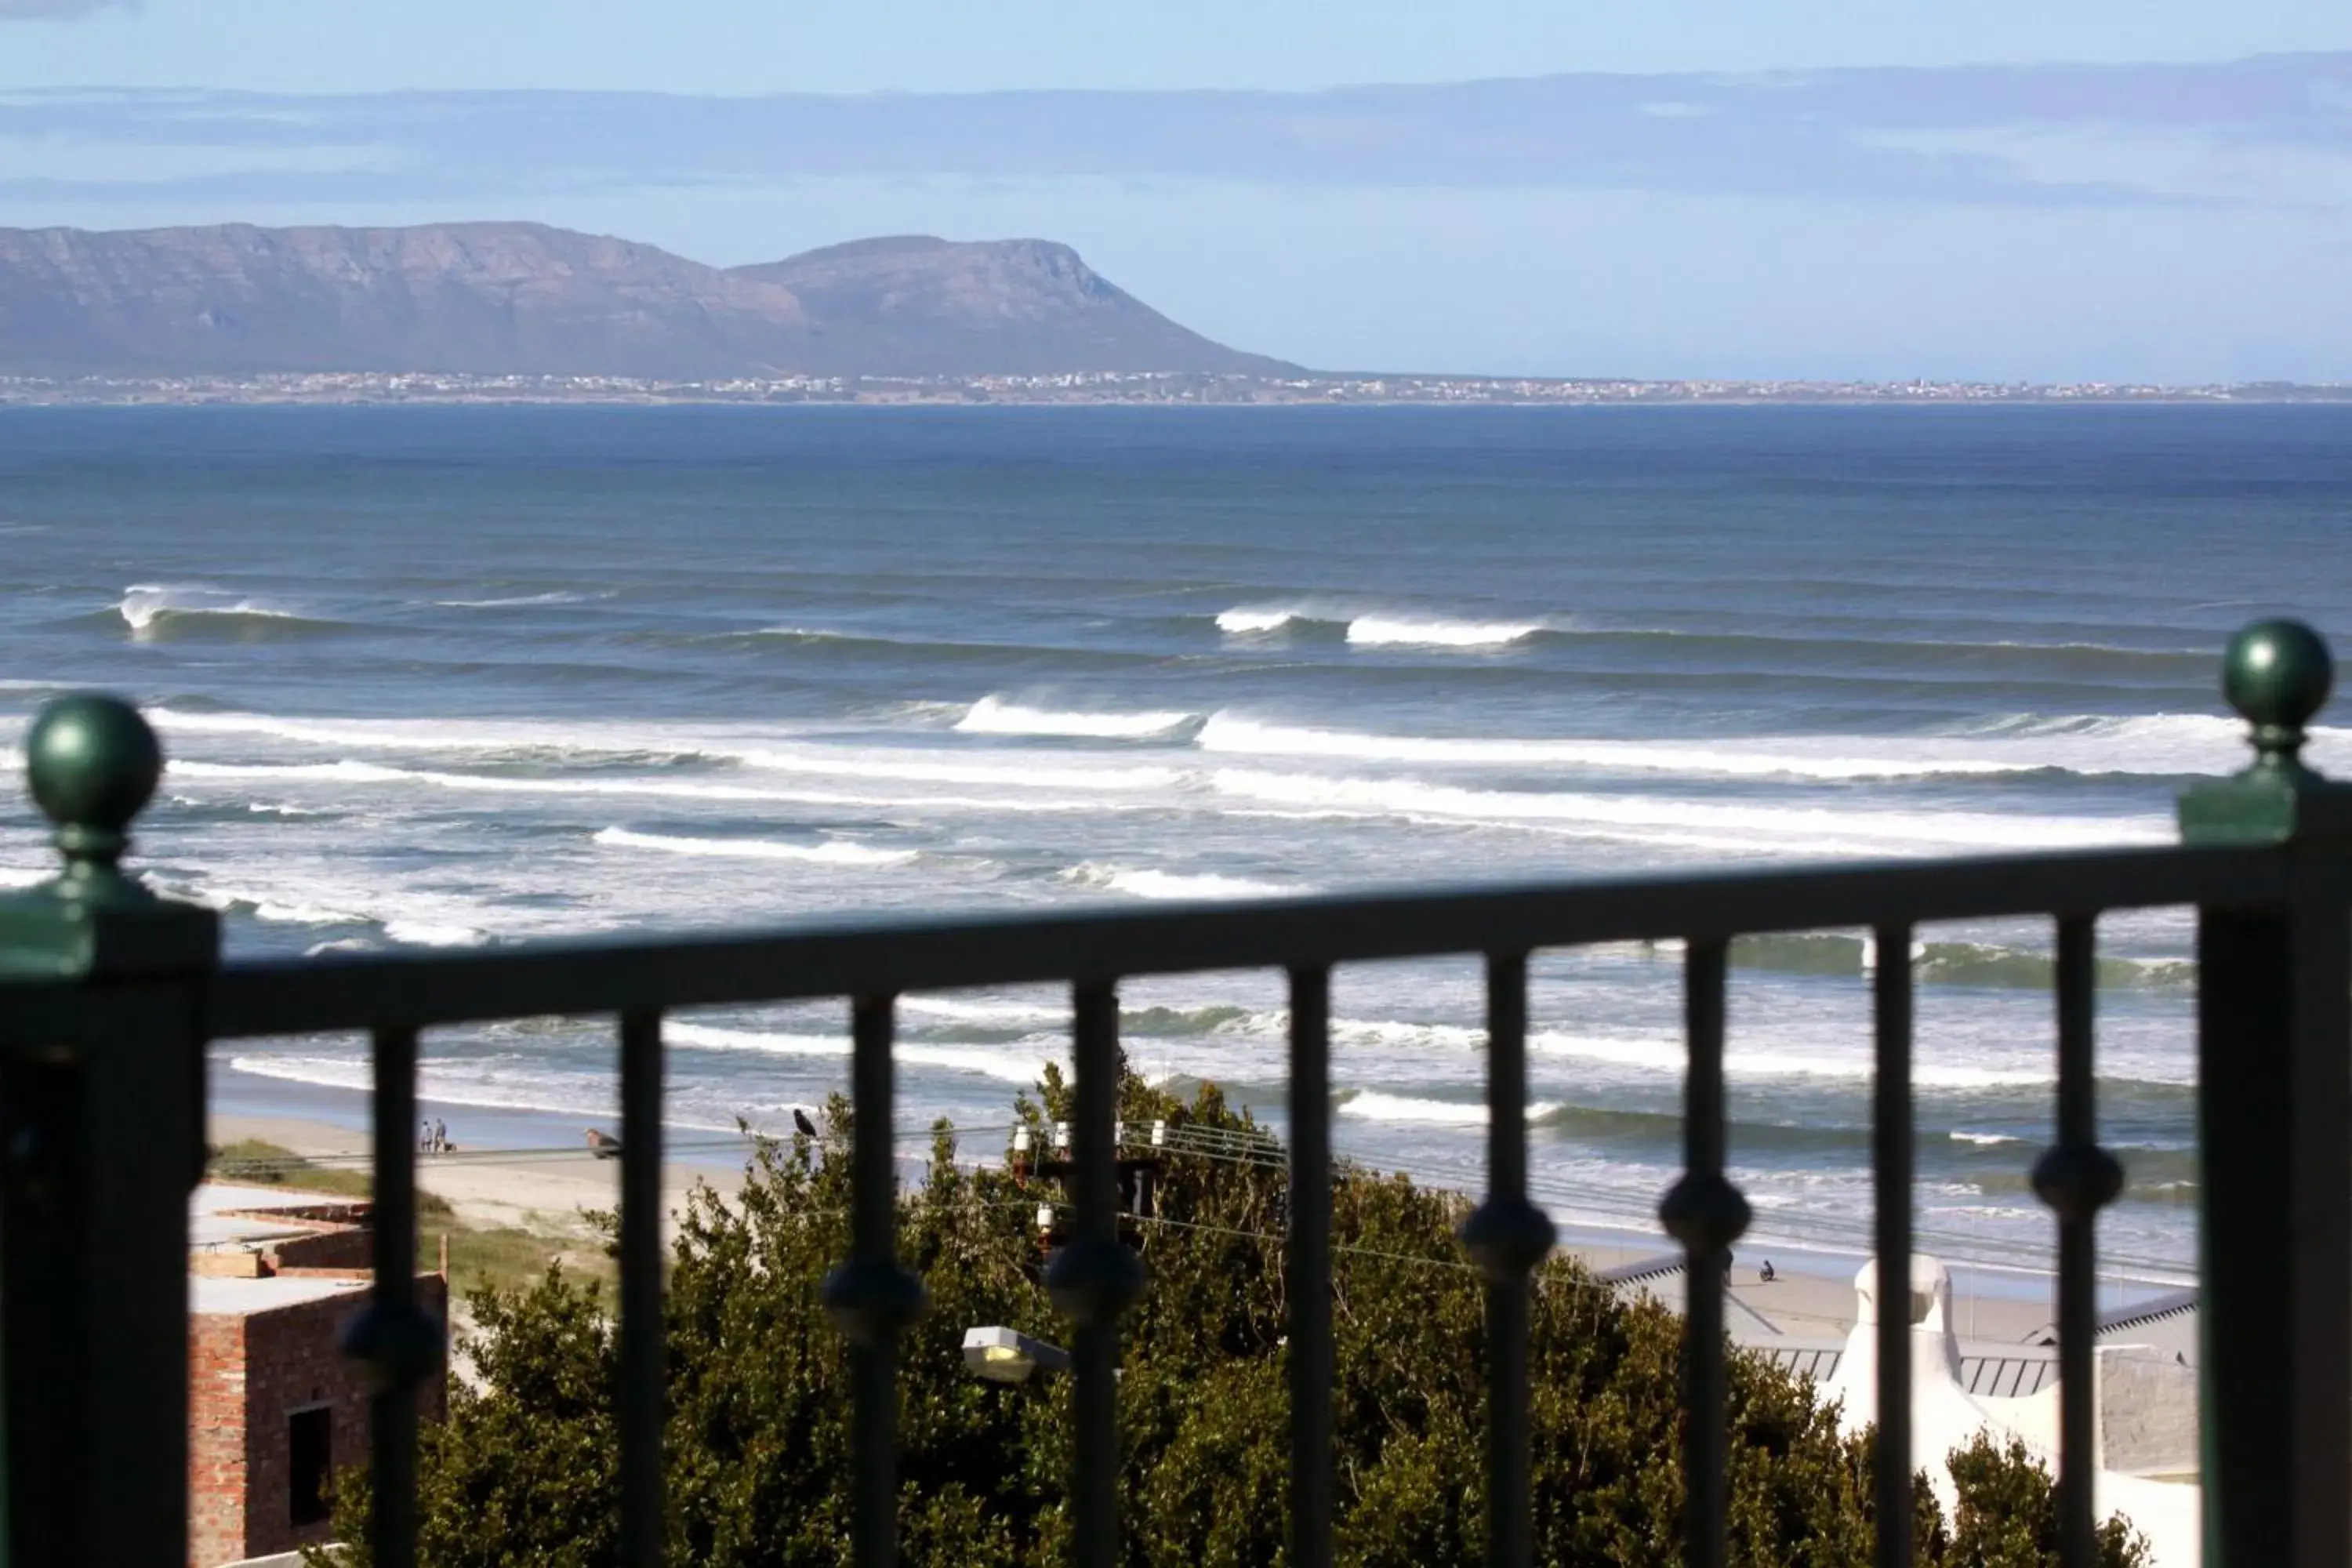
[216,1439]
[252,1374]
[324,1249]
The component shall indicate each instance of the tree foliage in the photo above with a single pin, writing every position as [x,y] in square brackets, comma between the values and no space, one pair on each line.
[523,1471]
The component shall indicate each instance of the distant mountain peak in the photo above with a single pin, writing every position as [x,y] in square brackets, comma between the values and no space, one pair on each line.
[523,298]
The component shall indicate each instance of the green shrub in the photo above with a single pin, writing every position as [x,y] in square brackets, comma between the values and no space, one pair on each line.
[757,1446]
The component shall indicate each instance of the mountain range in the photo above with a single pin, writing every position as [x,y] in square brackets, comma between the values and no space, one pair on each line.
[492,298]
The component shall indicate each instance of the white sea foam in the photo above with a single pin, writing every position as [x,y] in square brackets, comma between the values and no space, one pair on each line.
[1869,952]
[1983,1138]
[2162,744]
[1396,631]
[1243,622]
[24,875]
[1371,1105]
[834,852]
[882,762]
[321,888]
[996,716]
[465,737]
[1758,826]
[425,933]
[349,771]
[1172,885]
[2156,743]
[1230,733]
[660,745]
[1008,1064]
[278,905]
[519,601]
[1000,1014]
[1391,1033]
[1670,1056]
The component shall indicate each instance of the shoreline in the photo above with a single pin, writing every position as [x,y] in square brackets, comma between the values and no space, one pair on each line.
[532,1170]
[257,398]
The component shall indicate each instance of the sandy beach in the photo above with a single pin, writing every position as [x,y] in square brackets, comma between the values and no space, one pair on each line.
[541,1188]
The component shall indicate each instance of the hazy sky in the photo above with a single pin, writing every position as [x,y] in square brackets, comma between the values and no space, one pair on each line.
[2099,188]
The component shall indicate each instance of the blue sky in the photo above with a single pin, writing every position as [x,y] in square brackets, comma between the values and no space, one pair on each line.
[2141,190]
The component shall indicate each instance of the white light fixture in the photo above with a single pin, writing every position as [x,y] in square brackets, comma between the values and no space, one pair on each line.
[1159,1135]
[1044,1216]
[1061,1134]
[1021,1141]
[1007,1355]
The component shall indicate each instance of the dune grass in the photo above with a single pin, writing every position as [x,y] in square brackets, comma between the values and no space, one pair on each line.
[505,1256]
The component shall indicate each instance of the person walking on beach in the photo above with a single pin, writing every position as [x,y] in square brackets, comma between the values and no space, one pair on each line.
[424,1136]
[440,1136]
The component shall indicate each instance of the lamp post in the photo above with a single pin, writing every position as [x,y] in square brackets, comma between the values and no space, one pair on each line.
[1007,1356]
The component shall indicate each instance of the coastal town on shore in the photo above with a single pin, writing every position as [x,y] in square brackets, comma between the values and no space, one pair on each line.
[1104,387]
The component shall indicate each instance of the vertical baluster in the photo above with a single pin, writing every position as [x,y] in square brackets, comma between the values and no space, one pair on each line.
[871,1297]
[1508,1237]
[1095,1277]
[1891,1161]
[1707,1214]
[1310,1268]
[640,1392]
[2076,1178]
[392,1333]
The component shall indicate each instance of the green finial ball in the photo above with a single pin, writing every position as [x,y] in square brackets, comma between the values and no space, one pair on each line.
[2277,675]
[93,762]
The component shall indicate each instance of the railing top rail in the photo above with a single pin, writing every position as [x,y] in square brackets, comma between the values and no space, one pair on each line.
[359,992]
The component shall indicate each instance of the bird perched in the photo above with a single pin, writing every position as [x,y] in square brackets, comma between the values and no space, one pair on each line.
[1766,1273]
[801,1121]
[603,1144]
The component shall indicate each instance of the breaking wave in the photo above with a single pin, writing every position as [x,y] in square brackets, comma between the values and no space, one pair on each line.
[2167,745]
[424,923]
[1749,828]
[996,716]
[1226,732]
[1371,1105]
[1389,631]
[1008,1065]
[159,612]
[1171,885]
[1375,630]
[1246,622]
[1950,962]
[834,852]
[352,772]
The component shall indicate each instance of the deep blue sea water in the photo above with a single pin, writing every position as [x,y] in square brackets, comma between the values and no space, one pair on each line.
[462,676]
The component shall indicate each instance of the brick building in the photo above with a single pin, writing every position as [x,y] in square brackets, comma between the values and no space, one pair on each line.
[275,1407]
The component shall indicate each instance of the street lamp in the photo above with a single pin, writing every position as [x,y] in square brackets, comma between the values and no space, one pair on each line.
[1007,1356]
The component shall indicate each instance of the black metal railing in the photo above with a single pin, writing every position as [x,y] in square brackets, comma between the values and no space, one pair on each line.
[110,996]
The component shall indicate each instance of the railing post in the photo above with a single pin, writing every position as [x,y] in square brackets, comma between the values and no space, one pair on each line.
[1094,1277]
[872,1297]
[101,1137]
[2275,1066]
[1508,1237]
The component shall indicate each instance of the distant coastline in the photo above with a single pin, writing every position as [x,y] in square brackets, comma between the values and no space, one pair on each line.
[1104,388]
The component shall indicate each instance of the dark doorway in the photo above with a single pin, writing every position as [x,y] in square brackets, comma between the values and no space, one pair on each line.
[309,1452]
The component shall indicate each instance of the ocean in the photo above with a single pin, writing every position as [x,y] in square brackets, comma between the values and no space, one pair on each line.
[434,678]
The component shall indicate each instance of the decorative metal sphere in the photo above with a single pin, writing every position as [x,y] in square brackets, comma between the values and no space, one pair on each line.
[2277,674]
[93,763]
